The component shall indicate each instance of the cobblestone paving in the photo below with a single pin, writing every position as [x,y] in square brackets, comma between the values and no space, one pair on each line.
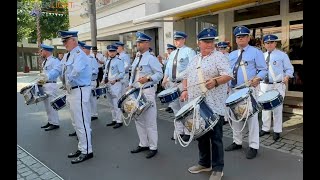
[29,168]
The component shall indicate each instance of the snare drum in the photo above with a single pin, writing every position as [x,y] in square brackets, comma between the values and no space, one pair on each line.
[129,102]
[270,100]
[58,102]
[169,95]
[241,103]
[208,119]
[99,91]
[33,94]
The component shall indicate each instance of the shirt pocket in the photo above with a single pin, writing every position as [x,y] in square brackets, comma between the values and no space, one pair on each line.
[144,66]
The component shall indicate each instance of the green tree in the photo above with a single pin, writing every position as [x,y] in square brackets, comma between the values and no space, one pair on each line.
[25,22]
[54,16]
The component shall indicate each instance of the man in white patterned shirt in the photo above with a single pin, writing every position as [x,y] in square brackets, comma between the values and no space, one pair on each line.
[212,64]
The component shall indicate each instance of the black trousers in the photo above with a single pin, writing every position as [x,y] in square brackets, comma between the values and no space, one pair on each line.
[100,76]
[211,147]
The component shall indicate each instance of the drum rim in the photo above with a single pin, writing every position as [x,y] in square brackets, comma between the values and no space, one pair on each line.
[277,97]
[240,98]
[162,95]
[189,109]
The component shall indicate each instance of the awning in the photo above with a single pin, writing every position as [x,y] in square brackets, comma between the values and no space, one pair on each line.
[194,9]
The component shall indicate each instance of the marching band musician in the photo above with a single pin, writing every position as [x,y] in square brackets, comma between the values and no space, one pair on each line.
[205,66]
[176,65]
[114,73]
[76,79]
[223,47]
[164,61]
[146,69]
[249,68]
[50,87]
[123,56]
[94,66]
[280,70]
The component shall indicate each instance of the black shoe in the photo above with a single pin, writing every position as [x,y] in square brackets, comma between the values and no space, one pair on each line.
[251,153]
[82,158]
[168,109]
[225,122]
[94,118]
[232,147]
[73,134]
[52,127]
[97,97]
[185,137]
[151,153]
[139,149]
[276,136]
[117,125]
[172,138]
[262,133]
[112,123]
[45,126]
[75,154]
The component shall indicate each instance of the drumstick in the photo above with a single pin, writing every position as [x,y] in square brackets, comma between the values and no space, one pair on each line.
[248,83]
[203,82]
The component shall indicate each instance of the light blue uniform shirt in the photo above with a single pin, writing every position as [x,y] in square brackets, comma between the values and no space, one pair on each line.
[148,66]
[126,60]
[94,66]
[78,70]
[185,55]
[51,63]
[281,65]
[254,62]
[116,69]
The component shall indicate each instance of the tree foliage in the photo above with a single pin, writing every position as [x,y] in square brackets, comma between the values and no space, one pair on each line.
[53,17]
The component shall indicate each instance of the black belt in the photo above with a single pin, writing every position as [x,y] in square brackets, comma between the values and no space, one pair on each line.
[148,87]
[271,82]
[51,81]
[74,87]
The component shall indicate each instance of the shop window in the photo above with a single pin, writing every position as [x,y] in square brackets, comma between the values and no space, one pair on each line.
[207,21]
[265,10]
[296,40]
[296,55]
[295,5]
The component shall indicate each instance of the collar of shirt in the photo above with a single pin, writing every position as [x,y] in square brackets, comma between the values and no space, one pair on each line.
[245,48]
[203,57]
[75,50]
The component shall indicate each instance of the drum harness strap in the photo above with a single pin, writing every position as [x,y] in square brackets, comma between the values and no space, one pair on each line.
[132,113]
[246,113]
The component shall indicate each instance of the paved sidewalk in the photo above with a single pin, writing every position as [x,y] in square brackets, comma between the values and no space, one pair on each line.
[30,73]
[30,168]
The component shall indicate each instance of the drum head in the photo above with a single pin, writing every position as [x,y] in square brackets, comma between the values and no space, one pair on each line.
[268,96]
[187,107]
[125,95]
[167,91]
[237,96]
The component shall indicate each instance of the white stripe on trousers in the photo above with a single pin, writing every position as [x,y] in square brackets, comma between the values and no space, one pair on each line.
[80,111]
